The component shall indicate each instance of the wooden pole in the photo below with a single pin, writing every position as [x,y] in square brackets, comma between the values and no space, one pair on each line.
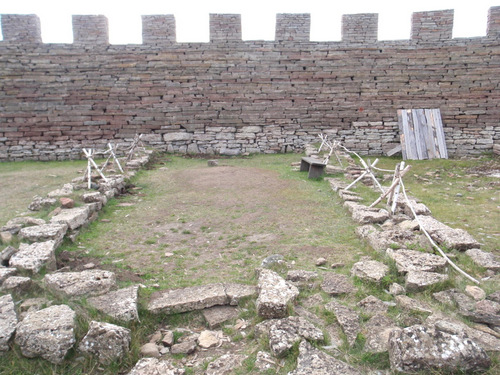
[392,187]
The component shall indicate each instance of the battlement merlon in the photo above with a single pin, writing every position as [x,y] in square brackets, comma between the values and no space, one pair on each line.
[360,28]
[90,29]
[433,26]
[225,27]
[493,28]
[158,29]
[293,27]
[21,28]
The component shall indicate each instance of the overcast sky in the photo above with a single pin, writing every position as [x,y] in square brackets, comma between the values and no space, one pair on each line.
[258,16]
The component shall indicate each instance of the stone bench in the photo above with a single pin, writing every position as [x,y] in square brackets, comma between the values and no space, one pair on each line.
[315,167]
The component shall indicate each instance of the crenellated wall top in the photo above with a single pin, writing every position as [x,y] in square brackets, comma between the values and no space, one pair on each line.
[426,27]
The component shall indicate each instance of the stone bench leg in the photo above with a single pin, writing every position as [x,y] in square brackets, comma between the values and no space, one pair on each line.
[304,166]
[315,171]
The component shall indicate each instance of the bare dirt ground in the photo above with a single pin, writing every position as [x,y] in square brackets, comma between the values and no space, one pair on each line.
[214,224]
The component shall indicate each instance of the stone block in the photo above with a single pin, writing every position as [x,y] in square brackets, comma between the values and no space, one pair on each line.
[74,218]
[33,257]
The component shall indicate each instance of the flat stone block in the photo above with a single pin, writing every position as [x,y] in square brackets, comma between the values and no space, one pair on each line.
[35,256]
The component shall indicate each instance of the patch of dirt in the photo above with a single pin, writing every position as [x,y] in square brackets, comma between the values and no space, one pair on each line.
[219,223]
[487,168]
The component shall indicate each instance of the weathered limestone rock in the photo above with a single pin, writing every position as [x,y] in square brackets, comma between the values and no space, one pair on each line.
[284,333]
[314,361]
[411,260]
[38,203]
[187,299]
[8,321]
[301,276]
[208,339]
[108,342]
[150,350]
[85,283]
[274,295]
[185,347]
[14,225]
[484,259]
[5,256]
[475,292]
[94,197]
[32,304]
[347,318]
[493,296]
[377,331]
[336,184]
[364,230]
[74,218]
[369,270]
[47,333]
[225,365]
[6,237]
[168,338]
[381,240]
[419,280]
[5,273]
[264,362]
[35,256]
[373,305]
[429,348]
[418,208]
[335,284]
[16,284]
[45,232]
[395,289]
[365,215]
[452,238]
[120,304]
[217,315]
[153,366]
[485,340]
[236,292]
[411,304]
[66,190]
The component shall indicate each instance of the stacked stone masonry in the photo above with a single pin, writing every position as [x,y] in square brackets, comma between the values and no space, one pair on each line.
[231,96]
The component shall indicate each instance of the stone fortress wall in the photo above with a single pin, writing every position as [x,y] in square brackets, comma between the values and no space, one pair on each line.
[230,96]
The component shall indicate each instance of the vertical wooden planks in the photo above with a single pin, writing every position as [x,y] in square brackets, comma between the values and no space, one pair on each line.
[421,134]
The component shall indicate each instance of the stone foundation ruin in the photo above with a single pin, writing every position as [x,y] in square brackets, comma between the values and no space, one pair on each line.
[231,96]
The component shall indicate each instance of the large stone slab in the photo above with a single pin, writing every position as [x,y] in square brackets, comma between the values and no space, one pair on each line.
[236,292]
[336,284]
[382,240]
[45,232]
[377,331]
[153,366]
[411,304]
[14,225]
[419,280]
[314,361]
[486,340]
[365,215]
[47,333]
[6,272]
[8,321]
[369,270]
[275,293]
[121,304]
[16,284]
[347,318]
[411,260]
[217,315]
[188,299]
[484,259]
[77,284]
[74,218]
[457,239]
[284,333]
[35,256]
[108,342]
[430,348]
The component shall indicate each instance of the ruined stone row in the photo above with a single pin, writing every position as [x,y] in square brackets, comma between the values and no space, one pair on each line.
[231,96]
[43,329]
